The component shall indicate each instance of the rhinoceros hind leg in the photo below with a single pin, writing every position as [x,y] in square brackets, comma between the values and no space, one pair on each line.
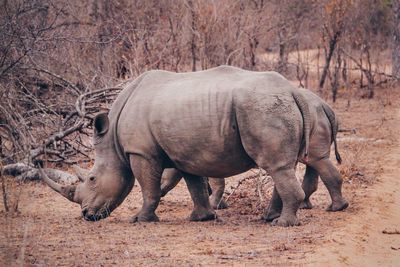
[198,189]
[333,182]
[148,174]
[218,205]
[274,208]
[291,194]
[309,185]
[286,221]
[338,206]
[198,215]
[306,205]
[169,179]
[140,217]
[216,198]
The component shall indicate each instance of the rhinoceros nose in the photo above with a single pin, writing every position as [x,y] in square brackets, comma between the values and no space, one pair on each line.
[89,217]
[84,213]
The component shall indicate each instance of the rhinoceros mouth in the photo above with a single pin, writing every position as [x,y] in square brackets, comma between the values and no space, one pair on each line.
[101,214]
[95,217]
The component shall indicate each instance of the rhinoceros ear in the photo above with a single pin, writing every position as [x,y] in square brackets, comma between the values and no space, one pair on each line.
[100,124]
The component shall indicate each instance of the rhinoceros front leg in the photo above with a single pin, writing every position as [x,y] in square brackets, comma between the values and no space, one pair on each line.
[292,195]
[217,192]
[309,185]
[148,174]
[198,189]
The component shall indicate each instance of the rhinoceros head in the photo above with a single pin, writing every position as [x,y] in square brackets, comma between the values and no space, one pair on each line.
[106,185]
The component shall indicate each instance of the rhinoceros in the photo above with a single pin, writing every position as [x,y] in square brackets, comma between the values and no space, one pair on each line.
[213,123]
[324,127]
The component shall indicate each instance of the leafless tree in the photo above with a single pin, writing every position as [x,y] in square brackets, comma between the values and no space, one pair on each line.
[335,19]
[396,39]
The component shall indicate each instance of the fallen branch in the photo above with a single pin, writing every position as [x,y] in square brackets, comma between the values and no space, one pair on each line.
[343,130]
[23,172]
[94,96]
[83,118]
[56,137]
[255,175]
[391,232]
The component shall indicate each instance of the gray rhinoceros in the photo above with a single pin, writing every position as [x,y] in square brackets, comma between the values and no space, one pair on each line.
[323,133]
[213,123]
[324,127]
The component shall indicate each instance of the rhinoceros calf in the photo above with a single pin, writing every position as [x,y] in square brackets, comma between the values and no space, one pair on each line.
[213,123]
[324,128]
[323,133]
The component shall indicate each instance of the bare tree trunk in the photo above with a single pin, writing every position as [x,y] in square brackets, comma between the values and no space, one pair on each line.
[253,46]
[301,68]
[1,147]
[318,69]
[282,64]
[193,29]
[370,75]
[103,33]
[396,38]
[361,71]
[335,78]
[365,71]
[3,189]
[332,45]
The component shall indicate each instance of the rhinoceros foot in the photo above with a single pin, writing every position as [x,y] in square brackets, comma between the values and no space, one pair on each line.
[306,204]
[144,218]
[338,205]
[220,205]
[270,215]
[286,221]
[202,215]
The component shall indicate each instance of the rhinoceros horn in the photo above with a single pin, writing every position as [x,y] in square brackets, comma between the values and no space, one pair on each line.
[80,173]
[67,191]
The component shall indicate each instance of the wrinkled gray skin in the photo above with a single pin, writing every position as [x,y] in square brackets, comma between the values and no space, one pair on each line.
[214,123]
[323,133]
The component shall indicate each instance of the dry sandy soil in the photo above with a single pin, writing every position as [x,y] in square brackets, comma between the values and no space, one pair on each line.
[48,231]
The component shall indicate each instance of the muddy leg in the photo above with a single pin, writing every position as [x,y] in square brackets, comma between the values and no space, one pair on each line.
[148,174]
[198,189]
[274,208]
[291,194]
[333,182]
[216,199]
[170,178]
[309,185]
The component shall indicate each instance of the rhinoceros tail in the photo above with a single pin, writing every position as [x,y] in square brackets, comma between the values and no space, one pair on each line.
[305,112]
[334,128]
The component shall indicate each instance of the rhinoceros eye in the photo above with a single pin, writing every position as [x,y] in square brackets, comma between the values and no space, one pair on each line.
[92,178]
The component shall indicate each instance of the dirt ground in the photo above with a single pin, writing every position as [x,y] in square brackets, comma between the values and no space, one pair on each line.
[48,230]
